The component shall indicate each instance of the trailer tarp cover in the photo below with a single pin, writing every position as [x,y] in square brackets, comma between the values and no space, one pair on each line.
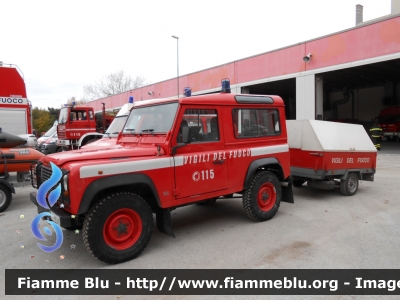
[314,135]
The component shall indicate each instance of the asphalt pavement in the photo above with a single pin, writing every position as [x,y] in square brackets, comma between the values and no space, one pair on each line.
[322,230]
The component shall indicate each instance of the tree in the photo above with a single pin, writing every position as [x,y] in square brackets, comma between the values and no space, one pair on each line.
[42,120]
[77,102]
[112,84]
[54,112]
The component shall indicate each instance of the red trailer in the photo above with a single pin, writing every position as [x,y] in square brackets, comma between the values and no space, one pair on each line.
[328,154]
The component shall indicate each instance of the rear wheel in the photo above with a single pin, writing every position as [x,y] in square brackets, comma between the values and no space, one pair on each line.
[118,227]
[349,186]
[5,197]
[262,199]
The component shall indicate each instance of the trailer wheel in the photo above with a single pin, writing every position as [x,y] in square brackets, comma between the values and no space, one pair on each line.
[118,227]
[298,182]
[262,199]
[5,197]
[349,186]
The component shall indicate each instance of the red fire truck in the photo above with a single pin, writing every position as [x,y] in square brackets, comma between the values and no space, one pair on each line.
[75,122]
[237,145]
[15,108]
[389,120]
[109,139]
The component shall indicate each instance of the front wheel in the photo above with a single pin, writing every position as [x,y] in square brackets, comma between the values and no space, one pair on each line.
[262,199]
[349,186]
[5,197]
[118,227]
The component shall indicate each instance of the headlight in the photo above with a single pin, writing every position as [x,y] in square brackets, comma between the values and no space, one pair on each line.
[65,183]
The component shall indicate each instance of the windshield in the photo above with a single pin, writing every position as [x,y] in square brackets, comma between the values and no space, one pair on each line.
[63,116]
[116,126]
[51,131]
[149,119]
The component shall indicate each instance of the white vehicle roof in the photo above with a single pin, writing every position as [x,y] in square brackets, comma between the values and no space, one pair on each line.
[125,109]
[313,135]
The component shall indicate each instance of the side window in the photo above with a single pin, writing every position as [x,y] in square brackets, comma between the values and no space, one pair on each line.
[90,115]
[79,115]
[255,122]
[203,125]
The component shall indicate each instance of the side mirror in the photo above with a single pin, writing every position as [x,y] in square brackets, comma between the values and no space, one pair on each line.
[186,139]
[186,135]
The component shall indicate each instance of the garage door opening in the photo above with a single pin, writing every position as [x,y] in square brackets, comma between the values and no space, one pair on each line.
[286,89]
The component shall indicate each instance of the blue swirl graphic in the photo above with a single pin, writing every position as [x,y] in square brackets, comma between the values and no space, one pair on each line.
[35,226]
[47,185]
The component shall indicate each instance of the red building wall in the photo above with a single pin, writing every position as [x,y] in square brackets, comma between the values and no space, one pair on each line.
[367,41]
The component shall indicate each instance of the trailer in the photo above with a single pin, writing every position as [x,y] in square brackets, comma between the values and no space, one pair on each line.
[328,154]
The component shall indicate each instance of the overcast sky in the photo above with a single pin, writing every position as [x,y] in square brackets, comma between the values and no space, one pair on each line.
[60,46]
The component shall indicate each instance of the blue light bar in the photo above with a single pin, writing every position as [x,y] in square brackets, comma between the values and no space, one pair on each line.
[225,86]
[130,99]
[187,91]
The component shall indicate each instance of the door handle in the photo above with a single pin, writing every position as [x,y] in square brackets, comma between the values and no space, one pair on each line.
[218,162]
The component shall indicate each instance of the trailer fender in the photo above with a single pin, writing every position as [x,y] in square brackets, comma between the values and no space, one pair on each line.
[357,171]
[8,185]
[360,175]
[123,180]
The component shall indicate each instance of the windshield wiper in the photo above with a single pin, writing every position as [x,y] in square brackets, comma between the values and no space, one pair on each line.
[129,129]
[149,130]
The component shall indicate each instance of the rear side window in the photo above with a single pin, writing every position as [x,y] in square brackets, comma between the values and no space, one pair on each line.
[250,122]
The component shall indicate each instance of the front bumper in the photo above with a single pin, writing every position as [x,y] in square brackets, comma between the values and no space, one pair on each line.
[61,217]
[63,143]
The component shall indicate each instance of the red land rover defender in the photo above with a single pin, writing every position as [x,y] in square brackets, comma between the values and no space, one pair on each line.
[171,153]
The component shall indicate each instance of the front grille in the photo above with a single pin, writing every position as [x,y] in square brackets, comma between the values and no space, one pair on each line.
[61,135]
[46,173]
[34,177]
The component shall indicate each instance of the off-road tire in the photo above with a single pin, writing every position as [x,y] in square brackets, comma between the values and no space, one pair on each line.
[349,186]
[5,197]
[110,219]
[298,182]
[262,199]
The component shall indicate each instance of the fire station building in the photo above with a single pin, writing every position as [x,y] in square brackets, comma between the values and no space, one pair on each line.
[352,74]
